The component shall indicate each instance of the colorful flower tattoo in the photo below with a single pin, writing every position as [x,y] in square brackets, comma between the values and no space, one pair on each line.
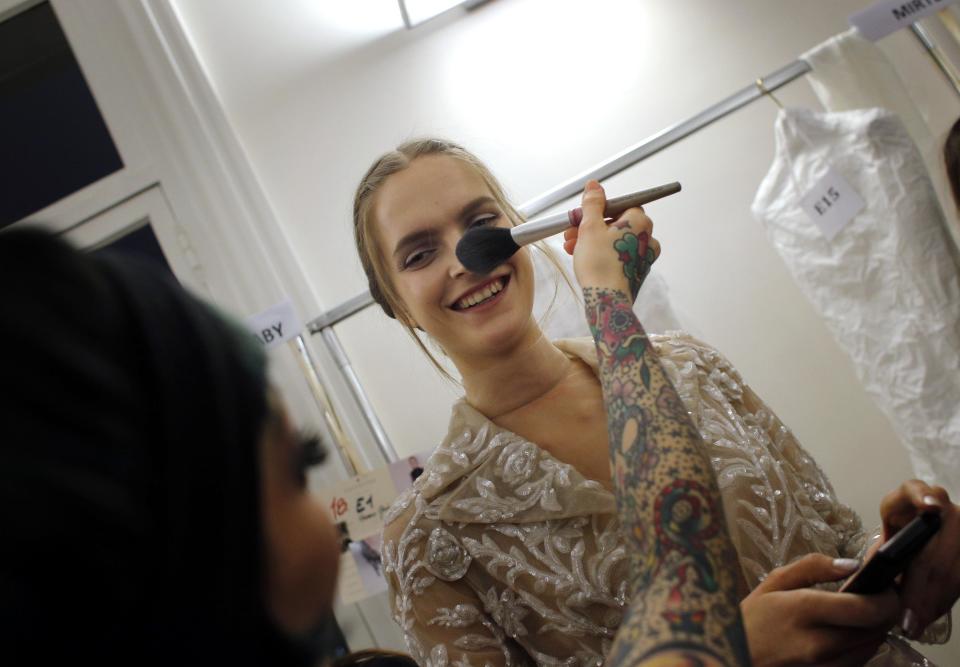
[637,257]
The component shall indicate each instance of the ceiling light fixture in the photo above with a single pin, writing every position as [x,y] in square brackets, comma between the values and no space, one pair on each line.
[415,12]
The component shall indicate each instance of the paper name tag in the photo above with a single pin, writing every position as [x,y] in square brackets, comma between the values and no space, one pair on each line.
[358,506]
[275,325]
[887,16]
[832,203]
[361,502]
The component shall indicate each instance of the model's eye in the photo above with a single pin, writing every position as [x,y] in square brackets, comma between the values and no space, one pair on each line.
[485,219]
[417,258]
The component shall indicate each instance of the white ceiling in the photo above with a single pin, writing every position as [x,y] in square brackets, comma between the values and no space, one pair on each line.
[287,37]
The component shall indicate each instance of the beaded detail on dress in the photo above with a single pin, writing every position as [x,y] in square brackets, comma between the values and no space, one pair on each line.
[502,555]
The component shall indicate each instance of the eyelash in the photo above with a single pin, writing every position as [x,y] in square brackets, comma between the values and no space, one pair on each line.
[484,219]
[479,221]
[311,451]
[411,263]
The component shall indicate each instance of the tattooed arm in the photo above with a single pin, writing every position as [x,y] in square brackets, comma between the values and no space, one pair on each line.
[683,564]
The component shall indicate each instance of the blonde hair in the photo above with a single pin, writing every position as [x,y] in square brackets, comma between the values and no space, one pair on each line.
[371,255]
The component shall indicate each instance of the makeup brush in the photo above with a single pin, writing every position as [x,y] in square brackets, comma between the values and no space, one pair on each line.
[482,249]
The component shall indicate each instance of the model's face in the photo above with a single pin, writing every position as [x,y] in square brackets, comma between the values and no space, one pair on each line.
[420,214]
[300,541]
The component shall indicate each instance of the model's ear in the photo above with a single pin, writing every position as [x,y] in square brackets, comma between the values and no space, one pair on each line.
[404,318]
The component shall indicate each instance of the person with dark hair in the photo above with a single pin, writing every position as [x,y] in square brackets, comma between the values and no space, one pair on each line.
[415,468]
[152,491]
[951,160]
[152,496]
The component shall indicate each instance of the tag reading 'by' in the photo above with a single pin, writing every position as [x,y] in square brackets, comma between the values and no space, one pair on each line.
[275,325]
[832,203]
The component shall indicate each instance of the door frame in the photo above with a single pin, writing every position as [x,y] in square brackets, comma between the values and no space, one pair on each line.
[173,134]
[151,208]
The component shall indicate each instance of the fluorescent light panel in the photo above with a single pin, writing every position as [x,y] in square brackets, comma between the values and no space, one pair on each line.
[416,12]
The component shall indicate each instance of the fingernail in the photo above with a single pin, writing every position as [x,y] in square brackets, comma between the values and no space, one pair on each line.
[930,501]
[909,623]
[594,185]
[846,564]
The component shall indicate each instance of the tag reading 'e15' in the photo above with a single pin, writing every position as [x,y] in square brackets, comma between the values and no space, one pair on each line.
[832,203]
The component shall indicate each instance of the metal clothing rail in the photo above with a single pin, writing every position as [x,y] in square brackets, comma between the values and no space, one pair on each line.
[937,55]
[324,324]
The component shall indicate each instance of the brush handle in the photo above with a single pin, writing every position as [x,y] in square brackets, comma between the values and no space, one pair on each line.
[537,230]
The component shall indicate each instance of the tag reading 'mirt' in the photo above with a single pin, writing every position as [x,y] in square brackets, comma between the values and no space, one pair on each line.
[832,203]
[886,16]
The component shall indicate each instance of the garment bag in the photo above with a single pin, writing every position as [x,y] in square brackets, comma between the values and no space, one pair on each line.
[886,282]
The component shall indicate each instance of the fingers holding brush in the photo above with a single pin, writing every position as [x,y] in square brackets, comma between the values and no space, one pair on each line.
[482,249]
[615,255]
[570,240]
[634,219]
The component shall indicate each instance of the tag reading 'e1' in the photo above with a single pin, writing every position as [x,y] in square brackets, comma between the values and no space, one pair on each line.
[832,203]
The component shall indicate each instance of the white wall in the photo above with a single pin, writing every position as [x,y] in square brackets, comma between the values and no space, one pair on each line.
[542,89]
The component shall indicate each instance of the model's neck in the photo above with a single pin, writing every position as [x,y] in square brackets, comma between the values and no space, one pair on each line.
[516,377]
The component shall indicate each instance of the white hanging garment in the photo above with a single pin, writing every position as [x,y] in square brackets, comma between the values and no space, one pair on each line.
[886,284]
[849,72]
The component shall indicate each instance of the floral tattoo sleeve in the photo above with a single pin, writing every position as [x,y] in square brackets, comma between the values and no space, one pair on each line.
[637,257]
[682,560]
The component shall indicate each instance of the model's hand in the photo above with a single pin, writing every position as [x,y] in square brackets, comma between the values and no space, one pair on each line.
[931,585]
[617,255]
[789,624]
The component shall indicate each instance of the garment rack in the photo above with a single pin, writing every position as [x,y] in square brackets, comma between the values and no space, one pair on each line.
[324,324]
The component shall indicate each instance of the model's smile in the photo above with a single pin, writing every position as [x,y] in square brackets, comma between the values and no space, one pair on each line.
[484,294]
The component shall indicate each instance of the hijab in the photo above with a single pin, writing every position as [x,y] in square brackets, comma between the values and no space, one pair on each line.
[130,417]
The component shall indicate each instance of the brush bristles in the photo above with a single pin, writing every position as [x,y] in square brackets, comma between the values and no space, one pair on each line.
[482,249]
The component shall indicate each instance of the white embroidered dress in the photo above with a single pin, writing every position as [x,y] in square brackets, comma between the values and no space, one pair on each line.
[500,554]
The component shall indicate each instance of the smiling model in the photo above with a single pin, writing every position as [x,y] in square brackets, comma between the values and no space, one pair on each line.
[508,549]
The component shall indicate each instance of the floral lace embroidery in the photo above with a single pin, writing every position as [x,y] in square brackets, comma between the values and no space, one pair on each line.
[556,586]
[516,465]
[403,567]
[446,559]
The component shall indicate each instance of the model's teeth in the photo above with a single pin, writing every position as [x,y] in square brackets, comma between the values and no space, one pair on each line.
[481,295]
